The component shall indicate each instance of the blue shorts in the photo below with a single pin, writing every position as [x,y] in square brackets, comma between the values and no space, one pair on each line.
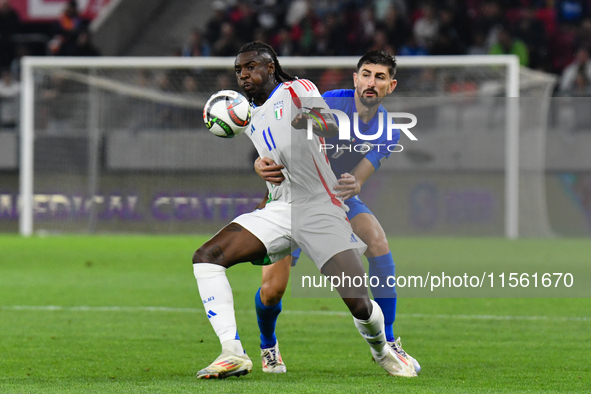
[356,206]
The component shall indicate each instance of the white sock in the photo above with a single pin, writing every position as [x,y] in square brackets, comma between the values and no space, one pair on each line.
[372,330]
[218,301]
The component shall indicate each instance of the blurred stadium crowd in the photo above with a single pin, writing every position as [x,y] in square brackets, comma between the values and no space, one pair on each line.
[67,36]
[545,34]
[549,35]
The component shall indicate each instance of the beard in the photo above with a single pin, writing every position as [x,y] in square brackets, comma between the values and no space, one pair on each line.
[370,101]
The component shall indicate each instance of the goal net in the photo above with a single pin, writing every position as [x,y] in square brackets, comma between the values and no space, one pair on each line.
[119,145]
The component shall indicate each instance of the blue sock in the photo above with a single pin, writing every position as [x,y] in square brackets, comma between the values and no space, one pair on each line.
[266,317]
[382,267]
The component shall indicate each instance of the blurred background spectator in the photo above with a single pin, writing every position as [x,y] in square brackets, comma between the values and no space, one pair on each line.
[197,45]
[584,34]
[507,44]
[426,27]
[83,46]
[578,74]
[488,17]
[9,26]
[66,30]
[571,11]
[15,64]
[532,33]
[448,40]
[479,45]
[395,24]
[9,100]
[227,44]
[9,20]
[58,96]
[412,48]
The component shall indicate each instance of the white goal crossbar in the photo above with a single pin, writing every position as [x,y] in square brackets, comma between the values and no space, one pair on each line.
[512,89]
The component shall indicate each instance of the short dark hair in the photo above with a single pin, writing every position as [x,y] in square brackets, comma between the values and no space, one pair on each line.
[260,47]
[382,58]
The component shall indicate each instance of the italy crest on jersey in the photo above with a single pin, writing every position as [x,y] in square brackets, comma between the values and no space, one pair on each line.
[278,109]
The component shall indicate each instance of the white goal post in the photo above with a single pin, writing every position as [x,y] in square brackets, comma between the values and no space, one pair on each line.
[511,89]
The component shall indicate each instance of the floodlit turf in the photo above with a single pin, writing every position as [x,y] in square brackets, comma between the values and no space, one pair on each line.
[116,343]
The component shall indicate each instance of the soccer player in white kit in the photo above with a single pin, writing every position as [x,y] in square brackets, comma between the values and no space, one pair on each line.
[267,235]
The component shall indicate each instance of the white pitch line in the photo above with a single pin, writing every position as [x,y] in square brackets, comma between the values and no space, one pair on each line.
[495,317]
[50,308]
[98,308]
[459,317]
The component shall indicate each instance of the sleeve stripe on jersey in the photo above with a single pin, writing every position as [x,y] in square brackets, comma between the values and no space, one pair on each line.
[322,141]
[307,84]
[301,81]
[294,97]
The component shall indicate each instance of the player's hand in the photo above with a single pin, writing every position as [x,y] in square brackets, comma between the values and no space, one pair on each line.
[300,122]
[269,170]
[348,186]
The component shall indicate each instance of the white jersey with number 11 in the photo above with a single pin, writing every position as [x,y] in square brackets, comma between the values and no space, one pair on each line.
[308,176]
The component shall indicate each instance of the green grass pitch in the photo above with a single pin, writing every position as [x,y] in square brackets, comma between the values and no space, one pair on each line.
[128,319]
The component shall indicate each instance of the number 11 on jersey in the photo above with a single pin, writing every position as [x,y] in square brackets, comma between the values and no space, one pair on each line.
[265,132]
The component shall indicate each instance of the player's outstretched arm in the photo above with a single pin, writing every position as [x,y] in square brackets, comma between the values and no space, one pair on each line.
[350,184]
[270,171]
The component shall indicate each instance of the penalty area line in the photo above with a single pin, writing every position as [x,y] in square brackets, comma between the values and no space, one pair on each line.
[57,308]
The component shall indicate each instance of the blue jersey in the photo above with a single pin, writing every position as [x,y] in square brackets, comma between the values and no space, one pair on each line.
[344,161]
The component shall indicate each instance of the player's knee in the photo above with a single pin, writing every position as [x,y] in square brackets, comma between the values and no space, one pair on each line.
[360,308]
[206,254]
[197,256]
[378,246]
[271,294]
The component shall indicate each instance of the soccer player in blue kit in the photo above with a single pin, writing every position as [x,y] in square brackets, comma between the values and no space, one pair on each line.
[373,80]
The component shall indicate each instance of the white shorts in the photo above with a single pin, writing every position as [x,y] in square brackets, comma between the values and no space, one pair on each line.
[323,231]
[272,226]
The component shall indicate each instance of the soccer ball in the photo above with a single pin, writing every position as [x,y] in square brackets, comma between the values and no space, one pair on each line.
[226,113]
